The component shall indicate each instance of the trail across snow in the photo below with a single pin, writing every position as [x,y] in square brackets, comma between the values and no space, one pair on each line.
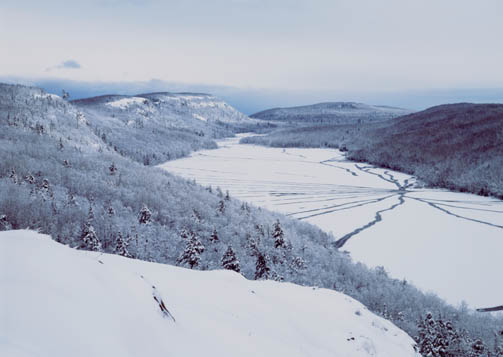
[57,301]
[425,235]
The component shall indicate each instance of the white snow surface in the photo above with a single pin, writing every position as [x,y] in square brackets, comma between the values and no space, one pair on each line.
[445,242]
[125,103]
[58,301]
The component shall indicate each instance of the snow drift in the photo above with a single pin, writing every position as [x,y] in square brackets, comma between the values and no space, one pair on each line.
[57,301]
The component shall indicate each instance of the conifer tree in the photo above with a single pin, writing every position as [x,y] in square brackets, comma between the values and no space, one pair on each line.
[278,235]
[89,238]
[192,252]
[185,234]
[4,223]
[229,260]
[121,246]
[440,339]
[145,215]
[261,268]
[221,206]
[90,214]
[214,236]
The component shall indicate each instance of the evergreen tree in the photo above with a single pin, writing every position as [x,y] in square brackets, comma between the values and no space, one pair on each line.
[229,260]
[145,215]
[426,335]
[121,246]
[214,236]
[221,206]
[261,268]
[89,239]
[278,235]
[192,252]
[440,339]
[4,223]
[111,211]
[90,214]
[227,196]
[185,234]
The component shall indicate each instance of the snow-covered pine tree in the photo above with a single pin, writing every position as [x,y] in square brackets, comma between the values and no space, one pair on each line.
[4,223]
[121,246]
[221,206]
[89,239]
[185,234]
[278,235]
[229,260]
[261,268]
[90,214]
[426,335]
[192,252]
[110,211]
[145,215]
[214,236]
[439,339]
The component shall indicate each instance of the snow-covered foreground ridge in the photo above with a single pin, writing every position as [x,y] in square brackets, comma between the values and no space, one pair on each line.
[57,301]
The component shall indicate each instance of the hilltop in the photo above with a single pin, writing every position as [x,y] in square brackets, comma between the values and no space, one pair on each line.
[331,113]
[110,303]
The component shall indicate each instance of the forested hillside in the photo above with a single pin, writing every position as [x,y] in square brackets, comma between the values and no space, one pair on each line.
[173,124]
[330,113]
[60,176]
[457,146]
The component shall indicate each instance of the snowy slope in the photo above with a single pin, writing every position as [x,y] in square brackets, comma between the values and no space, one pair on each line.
[57,301]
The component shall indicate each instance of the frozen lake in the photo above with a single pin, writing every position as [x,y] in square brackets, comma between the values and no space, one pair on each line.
[445,242]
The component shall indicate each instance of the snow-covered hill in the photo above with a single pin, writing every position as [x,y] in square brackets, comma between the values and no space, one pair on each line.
[184,122]
[176,109]
[57,301]
[332,112]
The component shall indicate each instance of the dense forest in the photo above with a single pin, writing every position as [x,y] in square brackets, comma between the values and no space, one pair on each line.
[61,176]
[457,146]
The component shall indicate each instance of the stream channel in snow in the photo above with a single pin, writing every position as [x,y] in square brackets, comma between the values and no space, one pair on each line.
[445,242]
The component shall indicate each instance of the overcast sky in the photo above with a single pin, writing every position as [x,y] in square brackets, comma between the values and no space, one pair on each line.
[317,46]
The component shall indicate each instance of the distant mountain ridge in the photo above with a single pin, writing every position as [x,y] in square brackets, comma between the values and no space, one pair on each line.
[332,112]
[455,146]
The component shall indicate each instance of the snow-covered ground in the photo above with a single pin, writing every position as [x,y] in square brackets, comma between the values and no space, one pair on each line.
[57,301]
[445,242]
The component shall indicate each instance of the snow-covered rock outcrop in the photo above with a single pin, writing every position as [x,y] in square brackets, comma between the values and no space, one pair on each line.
[57,301]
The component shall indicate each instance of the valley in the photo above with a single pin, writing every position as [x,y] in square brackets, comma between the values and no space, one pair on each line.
[431,237]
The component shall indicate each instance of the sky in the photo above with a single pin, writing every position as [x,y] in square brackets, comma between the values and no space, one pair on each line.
[265,52]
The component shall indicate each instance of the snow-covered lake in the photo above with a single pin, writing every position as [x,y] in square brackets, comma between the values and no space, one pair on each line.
[445,242]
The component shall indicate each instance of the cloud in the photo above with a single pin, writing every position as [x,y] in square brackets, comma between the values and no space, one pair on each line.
[68,64]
